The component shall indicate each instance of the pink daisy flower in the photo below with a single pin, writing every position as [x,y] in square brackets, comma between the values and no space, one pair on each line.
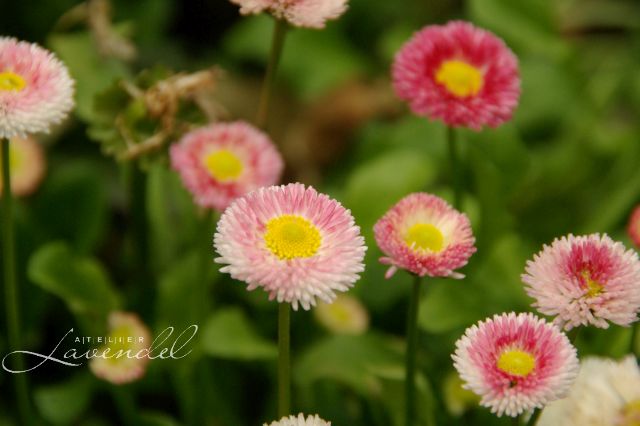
[124,357]
[633,229]
[300,13]
[585,280]
[292,241]
[300,420]
[223,161]
[460,74]
[516,363]
[36,90]
[26,166]
[426,236]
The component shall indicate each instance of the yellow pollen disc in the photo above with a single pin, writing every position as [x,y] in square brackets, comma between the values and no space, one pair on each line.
[460,78]
[11,81]
[516,362]
[119,337]
[424,236]
[291,236]
[224,165]
[594,288]
[630,415]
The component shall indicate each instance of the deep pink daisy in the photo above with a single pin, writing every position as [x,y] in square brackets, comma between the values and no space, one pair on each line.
[585,280]
[26,166]
[426,236]
[516,363]
[223,161]
[292,241]
[300,13]
[36,90]
[633,229]
[458,73]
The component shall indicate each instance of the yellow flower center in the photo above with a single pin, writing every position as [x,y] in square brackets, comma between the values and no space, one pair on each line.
[630,415]
[460,78]
[291,236]
[224,165]
[11,81]
[119,337]
[594,288]
[424,236]
[516,362]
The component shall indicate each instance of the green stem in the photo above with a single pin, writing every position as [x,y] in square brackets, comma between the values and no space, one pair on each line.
[125,404]
[534,417]
[284,354]
[277,43]
[209,226]
[12,295]
[456,177]
[412,341]
[634,337]
[138,207]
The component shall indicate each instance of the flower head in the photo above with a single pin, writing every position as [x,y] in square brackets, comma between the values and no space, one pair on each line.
[425,235]
[26,166]
[292,241]
[516,362]
[124,357]
[345,315]
[460,74]
[585,280]
[606,393]
[223,161]
[300,13]
[633,229]
[300,420]
[36,90]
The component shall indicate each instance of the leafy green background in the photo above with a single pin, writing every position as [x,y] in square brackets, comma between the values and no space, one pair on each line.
[567,163]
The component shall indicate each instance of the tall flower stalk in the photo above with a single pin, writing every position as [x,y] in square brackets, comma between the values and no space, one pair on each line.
[412,344]
[284,359]
[277,44]
[456,170]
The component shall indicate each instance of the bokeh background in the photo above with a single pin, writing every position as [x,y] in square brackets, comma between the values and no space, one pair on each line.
[569,162]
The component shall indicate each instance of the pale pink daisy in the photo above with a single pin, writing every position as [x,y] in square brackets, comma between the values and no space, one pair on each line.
[36,90]
[26,166]
[299,420]
[426,236]
[458,73]
[516,363]
[223,161]
[585,280]
[297,244]
[633,228]
[125,354]
[300,13]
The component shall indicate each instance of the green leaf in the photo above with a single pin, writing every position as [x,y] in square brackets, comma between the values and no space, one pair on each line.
[228,333]
[81,282]
[63,403]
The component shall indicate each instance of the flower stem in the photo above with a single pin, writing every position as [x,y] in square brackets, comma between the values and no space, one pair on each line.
[634,337]
[284,379]
[534,417]
[455,167]
[12,296]
[412,340]
[277,43]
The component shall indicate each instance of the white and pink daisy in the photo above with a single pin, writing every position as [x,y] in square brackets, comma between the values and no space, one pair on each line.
[516,363]
[125,355]
[633,228]
[223,161]
[36,90]
[300,13]
[27,166]
[606,393]
[458,73]
[297,244]
[299,420]
[423,234]
[585,280]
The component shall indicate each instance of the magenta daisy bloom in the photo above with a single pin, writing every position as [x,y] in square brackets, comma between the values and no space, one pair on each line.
[516,363]
[295,243]
[27,166]
[585,280]
[426,236]
[460,74]
[36,90]
[633,229]
[300,13]
[223,161]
